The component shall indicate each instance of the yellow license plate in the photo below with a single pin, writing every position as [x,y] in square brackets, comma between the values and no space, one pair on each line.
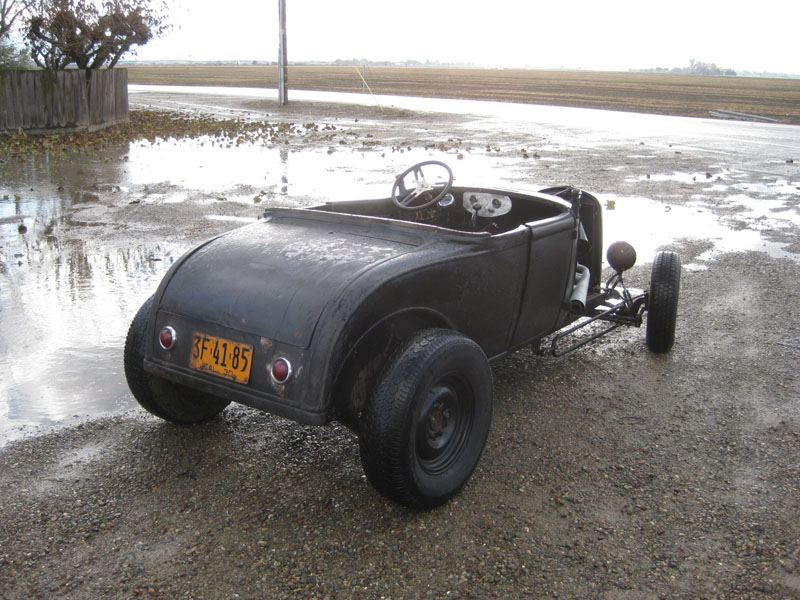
[222,357]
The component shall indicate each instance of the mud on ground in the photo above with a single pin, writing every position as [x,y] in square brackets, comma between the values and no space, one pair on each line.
[609,473]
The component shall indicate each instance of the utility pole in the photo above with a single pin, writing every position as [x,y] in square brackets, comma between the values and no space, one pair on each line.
[283,96]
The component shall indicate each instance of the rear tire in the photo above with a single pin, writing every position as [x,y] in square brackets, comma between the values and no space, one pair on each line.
[662,308]
[167,400]
[423,431]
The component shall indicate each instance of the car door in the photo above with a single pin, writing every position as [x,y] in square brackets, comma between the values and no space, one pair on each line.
[551,267]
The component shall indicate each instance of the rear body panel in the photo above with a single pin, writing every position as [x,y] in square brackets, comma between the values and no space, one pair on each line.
[309,284]
[276,276]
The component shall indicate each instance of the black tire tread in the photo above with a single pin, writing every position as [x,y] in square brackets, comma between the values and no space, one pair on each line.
[162,398]
[383,424]
[662,312]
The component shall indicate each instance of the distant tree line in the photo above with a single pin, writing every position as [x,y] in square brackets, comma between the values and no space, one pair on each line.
[695,68]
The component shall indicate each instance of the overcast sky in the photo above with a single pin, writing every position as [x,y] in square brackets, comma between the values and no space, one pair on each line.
[621,35]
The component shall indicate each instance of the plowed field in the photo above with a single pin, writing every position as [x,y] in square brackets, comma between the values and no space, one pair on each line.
[687,95]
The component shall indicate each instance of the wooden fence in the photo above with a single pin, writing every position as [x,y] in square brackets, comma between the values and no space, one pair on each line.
[39,101]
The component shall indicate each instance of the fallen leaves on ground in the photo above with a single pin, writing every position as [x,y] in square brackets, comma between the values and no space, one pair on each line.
[161,125]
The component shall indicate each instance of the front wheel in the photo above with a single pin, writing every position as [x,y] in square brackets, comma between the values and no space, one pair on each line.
[662,305]
[170,401]
[425,427]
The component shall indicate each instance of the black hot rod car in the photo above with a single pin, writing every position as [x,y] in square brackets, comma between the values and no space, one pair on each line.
[385,315]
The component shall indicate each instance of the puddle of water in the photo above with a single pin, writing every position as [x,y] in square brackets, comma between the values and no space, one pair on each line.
[288,178]
[648,225]
[779,186]
[676,176]
[66,291]
[63,313]
[765,214]
[266,172]
[723,180]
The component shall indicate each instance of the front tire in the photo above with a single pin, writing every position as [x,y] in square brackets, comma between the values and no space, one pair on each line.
[423,431]
[167,400]
[662,308]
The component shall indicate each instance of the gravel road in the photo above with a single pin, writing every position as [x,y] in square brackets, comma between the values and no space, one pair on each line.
[609,473]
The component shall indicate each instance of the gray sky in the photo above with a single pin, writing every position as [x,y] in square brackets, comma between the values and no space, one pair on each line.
[613,35]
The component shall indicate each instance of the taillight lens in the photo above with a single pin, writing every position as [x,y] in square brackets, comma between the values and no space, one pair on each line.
[167,338]
[281,370]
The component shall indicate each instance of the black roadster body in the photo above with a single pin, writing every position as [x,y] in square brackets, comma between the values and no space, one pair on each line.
[385,314]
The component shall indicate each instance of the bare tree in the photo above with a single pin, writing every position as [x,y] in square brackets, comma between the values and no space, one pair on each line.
[91,34]
[11,11]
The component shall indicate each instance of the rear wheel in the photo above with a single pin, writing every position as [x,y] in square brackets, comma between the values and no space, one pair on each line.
[425,427]
[662,308]
[170,401]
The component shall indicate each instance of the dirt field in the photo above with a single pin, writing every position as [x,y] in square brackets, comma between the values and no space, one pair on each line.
[685,95]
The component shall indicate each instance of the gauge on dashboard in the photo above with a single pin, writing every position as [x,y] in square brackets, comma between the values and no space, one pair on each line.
[486,205]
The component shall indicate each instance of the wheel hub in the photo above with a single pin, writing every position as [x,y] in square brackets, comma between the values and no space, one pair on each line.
[441,429]
[440,424]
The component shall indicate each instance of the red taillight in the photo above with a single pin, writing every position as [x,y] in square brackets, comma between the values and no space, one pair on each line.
[167,338]
[281,370]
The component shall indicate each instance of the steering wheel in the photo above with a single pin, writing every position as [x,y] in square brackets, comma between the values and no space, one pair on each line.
[422,194]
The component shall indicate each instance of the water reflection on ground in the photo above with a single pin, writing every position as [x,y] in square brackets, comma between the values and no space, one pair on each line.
[68,287]
[71,276]
[247,170]
[64,310]
[754,219]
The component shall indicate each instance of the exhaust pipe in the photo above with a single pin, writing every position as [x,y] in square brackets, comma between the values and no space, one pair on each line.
[580,289]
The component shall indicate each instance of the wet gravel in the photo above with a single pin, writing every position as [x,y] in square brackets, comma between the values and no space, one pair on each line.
[609,473]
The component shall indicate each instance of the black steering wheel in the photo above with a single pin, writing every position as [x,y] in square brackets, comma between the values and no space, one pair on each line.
[421,194]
